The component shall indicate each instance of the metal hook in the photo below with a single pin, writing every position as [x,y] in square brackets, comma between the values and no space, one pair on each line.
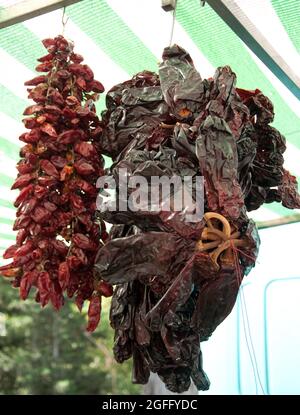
[168,5]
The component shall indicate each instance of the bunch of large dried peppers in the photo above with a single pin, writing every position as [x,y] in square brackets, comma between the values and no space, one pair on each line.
[177,281]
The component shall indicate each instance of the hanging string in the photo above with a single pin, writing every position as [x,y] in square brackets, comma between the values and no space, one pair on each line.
[239,280]
[245,318]
[64,20]
[246,324]
[173,24]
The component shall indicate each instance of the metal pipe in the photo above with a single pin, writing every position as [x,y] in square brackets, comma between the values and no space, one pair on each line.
[227,10]
[28,9]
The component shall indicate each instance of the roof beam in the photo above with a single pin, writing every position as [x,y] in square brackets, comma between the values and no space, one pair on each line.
[28,9]
[231,13]
[279,222]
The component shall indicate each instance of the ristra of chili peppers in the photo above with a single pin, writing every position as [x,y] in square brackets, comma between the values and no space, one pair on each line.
[60,162]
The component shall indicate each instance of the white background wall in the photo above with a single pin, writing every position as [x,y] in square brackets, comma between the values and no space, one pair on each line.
[272,298]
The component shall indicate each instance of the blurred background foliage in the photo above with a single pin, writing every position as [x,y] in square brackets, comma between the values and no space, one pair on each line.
[45,352]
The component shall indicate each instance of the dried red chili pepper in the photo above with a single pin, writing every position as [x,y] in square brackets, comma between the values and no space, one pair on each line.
[83,242]
[105,289]
[28,279]
[49,168]
[63,275]
[94,312]
[10,251]
[36,81]
[85,149]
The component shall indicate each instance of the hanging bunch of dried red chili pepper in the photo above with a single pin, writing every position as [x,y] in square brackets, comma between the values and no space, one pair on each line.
[58,235]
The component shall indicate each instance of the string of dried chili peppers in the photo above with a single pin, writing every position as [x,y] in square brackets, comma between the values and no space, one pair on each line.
[61,160]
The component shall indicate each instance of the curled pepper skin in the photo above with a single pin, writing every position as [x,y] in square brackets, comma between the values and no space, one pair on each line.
[176,281]
[60,163]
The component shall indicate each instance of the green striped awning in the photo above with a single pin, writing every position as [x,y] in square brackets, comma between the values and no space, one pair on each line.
[119,38]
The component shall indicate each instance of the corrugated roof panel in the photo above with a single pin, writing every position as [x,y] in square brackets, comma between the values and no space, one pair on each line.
[113,36]
[289,13]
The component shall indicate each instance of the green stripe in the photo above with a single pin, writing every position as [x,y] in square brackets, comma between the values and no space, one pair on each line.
[22,44]
[108,161]
[11,39]
[7,204]
[8,236]
[100,105]
[10,149]
[6,180]
[12,105]
[279,209]
[288,12]
[222,47]
[7,221]
[113,36]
